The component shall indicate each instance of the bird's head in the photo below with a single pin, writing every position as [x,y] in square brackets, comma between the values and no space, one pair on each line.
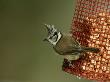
[53,34]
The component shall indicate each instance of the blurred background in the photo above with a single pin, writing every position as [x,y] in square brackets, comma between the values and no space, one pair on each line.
[24,57]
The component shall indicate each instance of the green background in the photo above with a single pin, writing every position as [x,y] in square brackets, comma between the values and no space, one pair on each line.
[24,57]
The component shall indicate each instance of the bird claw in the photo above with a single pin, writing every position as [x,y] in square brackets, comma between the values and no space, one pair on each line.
[70,64]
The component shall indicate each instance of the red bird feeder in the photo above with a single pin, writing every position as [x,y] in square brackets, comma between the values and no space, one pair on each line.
[91,27]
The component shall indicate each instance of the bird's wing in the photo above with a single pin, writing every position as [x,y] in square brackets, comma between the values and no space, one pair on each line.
[75,42]
[72,50]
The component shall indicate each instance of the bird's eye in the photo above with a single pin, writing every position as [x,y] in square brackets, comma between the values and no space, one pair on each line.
[55,33]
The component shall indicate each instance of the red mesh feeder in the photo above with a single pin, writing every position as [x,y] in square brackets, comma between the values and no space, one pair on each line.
[91,27]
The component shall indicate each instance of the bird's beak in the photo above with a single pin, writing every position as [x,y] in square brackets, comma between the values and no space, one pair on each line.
[45,39]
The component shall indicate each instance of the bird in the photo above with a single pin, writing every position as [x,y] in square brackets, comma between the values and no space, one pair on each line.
[66,45]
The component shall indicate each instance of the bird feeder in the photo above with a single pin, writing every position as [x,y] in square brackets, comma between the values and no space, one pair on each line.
[91,27]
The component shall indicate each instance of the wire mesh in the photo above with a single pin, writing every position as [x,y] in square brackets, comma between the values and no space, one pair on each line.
[91,27]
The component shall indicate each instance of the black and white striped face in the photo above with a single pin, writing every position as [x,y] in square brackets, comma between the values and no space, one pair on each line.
[53,34]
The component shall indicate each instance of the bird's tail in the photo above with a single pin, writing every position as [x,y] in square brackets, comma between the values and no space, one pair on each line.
[91,49]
